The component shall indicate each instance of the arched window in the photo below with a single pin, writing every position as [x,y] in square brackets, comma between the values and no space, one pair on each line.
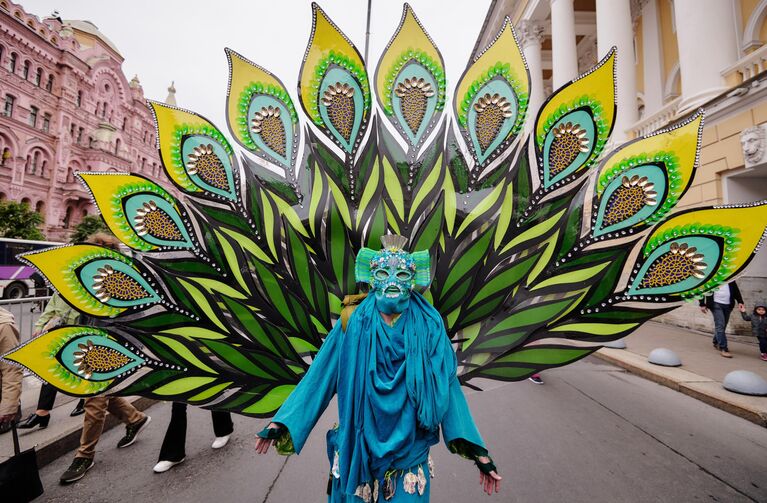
[35,162]
[2,51]
[104,111]
[3,197]
[9,101]
[145,136]
[6,156]
[125,122]
[25,71]
[12,62]
[117,146]
[67,217]
[49,84]
[40,206]
[44,169]
[46,122]
[26,201]
[38,77]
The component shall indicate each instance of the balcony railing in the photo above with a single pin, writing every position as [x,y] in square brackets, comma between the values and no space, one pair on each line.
[748,66]
[657,120]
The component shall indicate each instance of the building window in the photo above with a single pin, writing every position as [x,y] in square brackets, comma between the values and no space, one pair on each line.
[143,162]
[33,116]
[2,51]
[104,111]
[79,98]
[145,136]
[125,123]
[72,130]
[49,84]
[39,207]
[8,110]
[117,146]
[35,162]
[38,77]
[25,71]
[46,122]
[67,217]
[6,156]
[12,63]
[79,135]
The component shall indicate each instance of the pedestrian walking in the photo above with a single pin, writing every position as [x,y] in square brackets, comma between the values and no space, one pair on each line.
[721,303]
[173,450]
[56,313]
[758,321]
[97,407]
[10,375]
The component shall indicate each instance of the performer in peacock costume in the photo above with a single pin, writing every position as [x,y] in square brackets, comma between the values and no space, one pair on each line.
[531,246]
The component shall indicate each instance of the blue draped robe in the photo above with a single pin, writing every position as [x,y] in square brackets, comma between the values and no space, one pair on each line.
[396,386]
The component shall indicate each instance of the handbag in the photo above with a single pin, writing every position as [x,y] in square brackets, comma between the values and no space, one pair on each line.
[19,475]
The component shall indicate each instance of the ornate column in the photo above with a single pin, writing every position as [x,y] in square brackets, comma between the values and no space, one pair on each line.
[614,28]
[564,54]
[652,58]
[705,31]
[531,35]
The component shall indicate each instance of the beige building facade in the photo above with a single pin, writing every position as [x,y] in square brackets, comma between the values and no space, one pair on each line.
[674,56]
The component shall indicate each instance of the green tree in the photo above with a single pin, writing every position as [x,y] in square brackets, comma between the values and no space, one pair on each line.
[89,225]
[19,222]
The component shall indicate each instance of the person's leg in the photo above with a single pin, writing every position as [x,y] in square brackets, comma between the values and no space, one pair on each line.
[174,444]
[93,425]
[46,399]
[222,423]
[719,324]
[124,411]
[763,344]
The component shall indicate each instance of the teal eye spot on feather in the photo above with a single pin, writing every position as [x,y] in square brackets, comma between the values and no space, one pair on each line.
[630,198]
[568,145]
[271,127]
[156,221]
[341,106]
[116,284]
[677,266]
[491,117]
[414,100]
[98,358]
[208,165]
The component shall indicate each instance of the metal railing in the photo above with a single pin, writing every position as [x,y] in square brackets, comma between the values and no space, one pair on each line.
[26,311]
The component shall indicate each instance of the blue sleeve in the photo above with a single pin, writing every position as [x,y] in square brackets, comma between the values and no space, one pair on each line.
[458,424]
[308,401]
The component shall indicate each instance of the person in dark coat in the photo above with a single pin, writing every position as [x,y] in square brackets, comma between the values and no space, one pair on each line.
[758,321]
[720,303]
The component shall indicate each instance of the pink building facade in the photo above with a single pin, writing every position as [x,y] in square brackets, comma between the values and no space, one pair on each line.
[65,106]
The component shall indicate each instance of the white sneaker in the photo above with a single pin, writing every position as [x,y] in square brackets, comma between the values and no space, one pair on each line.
[219,442]
[164,466]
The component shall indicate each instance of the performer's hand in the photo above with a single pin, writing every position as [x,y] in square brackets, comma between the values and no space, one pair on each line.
[490,482]
[262,444]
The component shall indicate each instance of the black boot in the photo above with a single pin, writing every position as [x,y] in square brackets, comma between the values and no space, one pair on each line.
[79,408]
[35,420]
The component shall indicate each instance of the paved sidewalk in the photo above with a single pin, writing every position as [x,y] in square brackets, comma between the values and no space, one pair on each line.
[703,368]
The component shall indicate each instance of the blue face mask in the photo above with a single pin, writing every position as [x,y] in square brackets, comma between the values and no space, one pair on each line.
[392,280]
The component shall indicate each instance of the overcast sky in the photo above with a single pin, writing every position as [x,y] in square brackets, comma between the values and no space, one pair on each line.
[183,41]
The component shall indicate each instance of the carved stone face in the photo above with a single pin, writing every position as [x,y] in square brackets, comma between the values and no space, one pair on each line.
[752,141]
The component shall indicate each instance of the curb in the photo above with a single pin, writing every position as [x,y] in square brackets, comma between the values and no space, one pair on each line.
[694,386]
[58,446]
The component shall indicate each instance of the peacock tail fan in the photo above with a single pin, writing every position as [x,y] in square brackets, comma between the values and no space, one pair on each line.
[543,244]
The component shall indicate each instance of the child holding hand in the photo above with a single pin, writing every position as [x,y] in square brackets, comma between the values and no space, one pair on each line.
[758,321]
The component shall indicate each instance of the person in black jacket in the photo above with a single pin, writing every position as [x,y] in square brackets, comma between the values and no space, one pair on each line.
[720,303]
[758,321]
